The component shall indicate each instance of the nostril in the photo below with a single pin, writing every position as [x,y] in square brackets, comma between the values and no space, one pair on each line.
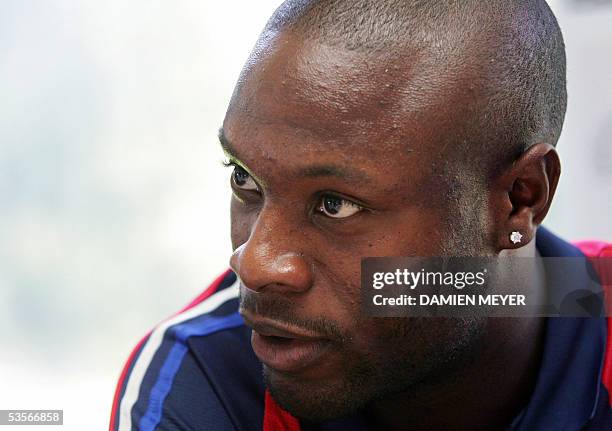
[246,288]
[261,266]
[235,259]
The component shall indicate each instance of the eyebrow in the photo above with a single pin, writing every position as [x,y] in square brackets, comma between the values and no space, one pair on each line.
[329,170]
[311,171]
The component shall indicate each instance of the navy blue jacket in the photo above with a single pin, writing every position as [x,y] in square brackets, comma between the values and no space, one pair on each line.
[196,371]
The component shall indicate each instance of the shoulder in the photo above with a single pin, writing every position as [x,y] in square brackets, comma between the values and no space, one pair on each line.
[600,256]
[195,370]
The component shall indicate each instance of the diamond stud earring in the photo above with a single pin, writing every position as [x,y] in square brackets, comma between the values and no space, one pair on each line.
[515,237]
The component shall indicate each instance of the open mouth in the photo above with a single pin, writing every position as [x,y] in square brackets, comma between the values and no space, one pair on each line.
[284,347]
[277,339]
[286,353]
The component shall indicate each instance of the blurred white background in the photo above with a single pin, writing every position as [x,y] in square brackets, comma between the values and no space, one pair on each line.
[113,202]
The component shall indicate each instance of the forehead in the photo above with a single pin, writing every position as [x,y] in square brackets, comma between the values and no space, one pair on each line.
[307,99]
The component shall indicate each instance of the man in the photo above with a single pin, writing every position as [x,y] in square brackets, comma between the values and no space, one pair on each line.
[379,128]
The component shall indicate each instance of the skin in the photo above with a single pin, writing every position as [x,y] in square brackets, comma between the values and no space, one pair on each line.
[309,120]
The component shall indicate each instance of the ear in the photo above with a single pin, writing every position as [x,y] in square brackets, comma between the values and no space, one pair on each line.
[522,195]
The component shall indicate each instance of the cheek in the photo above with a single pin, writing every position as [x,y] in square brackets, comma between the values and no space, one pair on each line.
[380,342]
[337,259]
[416,231]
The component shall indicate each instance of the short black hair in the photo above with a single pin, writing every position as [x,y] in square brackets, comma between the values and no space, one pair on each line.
[519,41]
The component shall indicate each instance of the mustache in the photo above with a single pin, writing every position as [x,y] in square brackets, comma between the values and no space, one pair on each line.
[282,309]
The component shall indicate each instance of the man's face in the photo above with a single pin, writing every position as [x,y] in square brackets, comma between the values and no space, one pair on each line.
[339,158]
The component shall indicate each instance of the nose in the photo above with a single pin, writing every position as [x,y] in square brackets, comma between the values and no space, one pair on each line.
[270,261]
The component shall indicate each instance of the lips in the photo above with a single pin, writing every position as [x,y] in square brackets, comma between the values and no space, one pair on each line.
[284,348]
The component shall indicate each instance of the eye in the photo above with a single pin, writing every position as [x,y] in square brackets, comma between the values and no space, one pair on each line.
[242,179]
[336,207]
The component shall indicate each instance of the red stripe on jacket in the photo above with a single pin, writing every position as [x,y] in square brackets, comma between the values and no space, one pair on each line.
[277,419]
[598,249]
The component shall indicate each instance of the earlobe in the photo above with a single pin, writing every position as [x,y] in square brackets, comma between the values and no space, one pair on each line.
[529,186]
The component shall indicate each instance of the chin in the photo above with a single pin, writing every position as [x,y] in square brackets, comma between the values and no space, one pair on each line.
[314,401]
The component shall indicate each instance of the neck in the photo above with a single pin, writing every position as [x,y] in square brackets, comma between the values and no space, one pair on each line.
[486,395]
